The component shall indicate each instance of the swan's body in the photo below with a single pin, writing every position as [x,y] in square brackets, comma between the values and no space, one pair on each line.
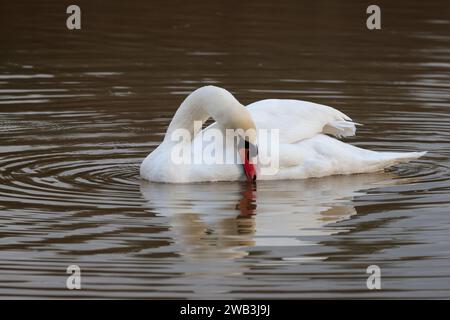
[305,149]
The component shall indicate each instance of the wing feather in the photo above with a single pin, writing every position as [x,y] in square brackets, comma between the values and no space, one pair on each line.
[298,120]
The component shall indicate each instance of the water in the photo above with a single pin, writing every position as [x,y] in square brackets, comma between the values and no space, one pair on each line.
[80,110]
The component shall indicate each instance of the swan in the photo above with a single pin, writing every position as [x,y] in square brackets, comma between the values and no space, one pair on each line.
[306,144]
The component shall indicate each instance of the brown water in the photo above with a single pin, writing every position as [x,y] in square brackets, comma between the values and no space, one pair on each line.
[79,110]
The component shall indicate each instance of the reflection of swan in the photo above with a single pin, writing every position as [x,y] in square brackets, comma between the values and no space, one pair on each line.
[222,221]
[303,149]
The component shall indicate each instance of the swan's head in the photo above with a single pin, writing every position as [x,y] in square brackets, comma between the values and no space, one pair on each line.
[247,146]
[248,152]
[229,113]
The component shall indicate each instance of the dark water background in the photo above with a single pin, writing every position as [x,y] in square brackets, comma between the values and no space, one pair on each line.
[79,110]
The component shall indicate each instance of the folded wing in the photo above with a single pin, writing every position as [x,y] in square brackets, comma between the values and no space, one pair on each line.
[298,120]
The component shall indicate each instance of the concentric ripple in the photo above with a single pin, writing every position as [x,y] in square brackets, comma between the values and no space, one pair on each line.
[35,169]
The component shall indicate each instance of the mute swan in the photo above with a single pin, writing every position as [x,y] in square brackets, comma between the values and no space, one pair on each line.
[304,147]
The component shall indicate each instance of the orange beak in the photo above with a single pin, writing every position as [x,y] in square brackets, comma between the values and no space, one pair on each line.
[248,164]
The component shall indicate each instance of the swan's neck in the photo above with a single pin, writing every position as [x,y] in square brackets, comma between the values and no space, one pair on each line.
[203,103]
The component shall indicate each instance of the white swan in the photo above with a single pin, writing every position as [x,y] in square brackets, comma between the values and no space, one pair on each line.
[305,149]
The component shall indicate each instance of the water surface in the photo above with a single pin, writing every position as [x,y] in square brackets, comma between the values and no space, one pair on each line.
[79,110]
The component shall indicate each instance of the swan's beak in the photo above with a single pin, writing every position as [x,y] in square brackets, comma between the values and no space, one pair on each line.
[248,161]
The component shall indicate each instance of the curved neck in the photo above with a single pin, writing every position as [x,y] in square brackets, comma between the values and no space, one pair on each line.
[203,103]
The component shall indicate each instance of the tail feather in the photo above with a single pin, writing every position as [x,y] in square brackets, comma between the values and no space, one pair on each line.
[386,159]
[341,128]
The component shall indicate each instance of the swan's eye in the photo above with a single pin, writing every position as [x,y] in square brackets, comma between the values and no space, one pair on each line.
[252,148]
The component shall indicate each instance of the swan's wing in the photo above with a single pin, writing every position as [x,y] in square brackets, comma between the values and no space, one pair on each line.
[298,120]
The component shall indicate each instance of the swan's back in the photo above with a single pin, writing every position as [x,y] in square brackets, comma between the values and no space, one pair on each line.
[298,120]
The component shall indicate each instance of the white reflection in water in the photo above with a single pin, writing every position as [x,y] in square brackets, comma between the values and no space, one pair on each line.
[225,220]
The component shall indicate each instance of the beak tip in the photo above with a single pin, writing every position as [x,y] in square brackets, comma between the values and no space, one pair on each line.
[251,177]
